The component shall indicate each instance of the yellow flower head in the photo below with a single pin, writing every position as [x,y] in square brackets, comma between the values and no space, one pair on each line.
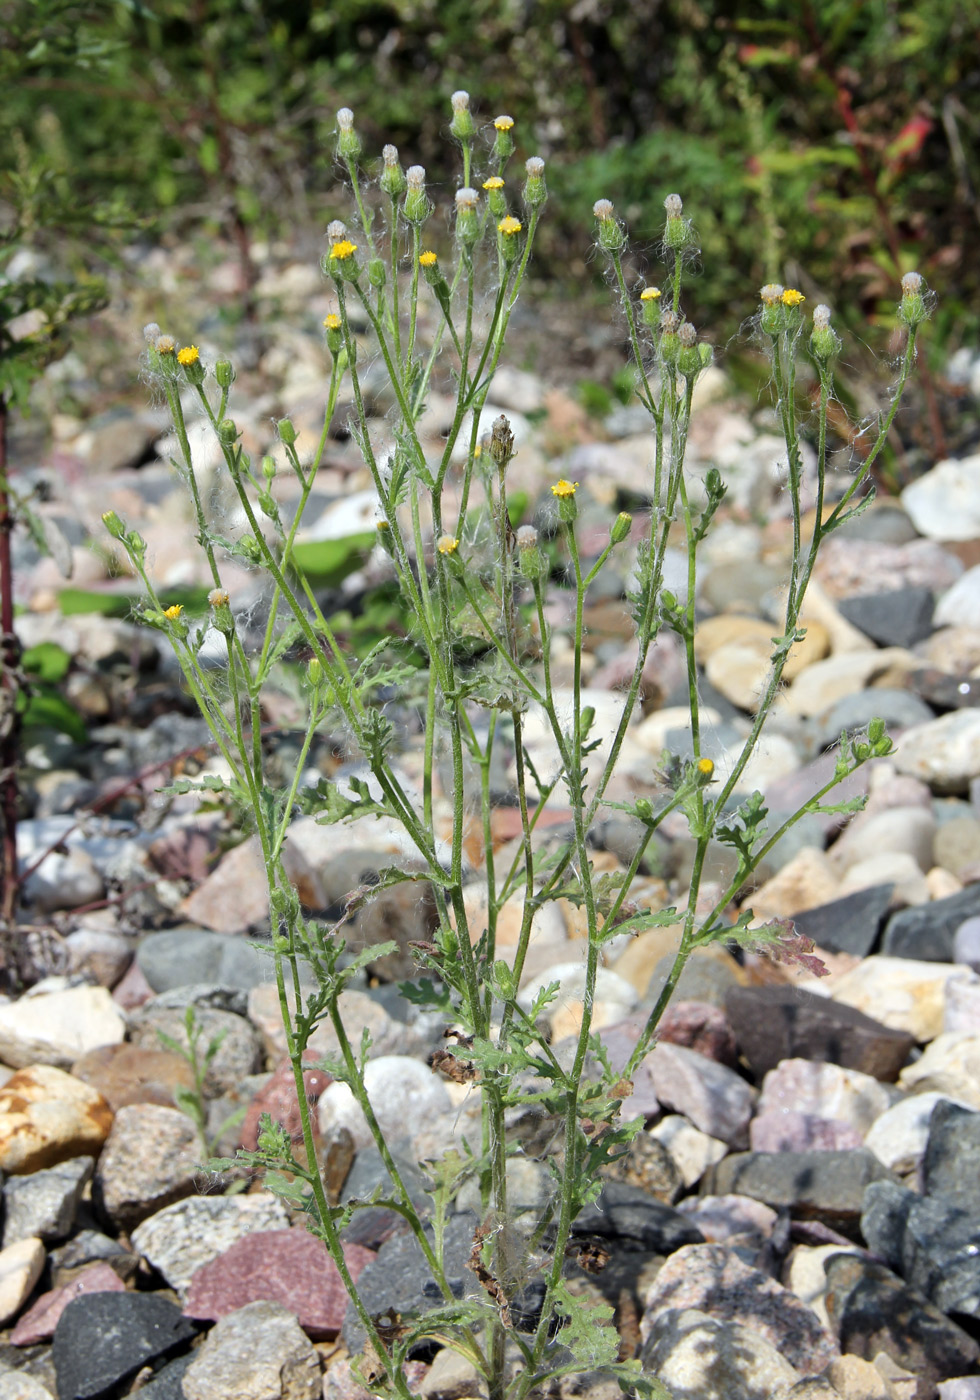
[173,612]
[332,322]
[494,183]
[189,355]
[218,598]
[650,294]
[705,767]
[447,545]
[791,297]
[509,226]
[383,525]
[428,258]
[504,123]
[563,489]
[343,250]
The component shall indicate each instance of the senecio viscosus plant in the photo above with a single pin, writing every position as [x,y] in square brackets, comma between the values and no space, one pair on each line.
[476,591]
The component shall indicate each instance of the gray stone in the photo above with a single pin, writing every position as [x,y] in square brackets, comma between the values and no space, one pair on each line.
[103,1339]
[699,1358]
[960,1388]
[170,958]
[847,925]
[182,1238]
[927,932]
[90,1247]
[239,1053]
[626,1213]
[259,1352]
[714,1097]
[900,709]
[824,1186]
[152,1157]
[951,1155]
[44,1204]
[896,619]
[933,1243]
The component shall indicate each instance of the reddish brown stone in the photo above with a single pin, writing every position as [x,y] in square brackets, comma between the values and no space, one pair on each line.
[278,1099]
[127,1073]
[39,1322]
[701,1027]
[133,990]
[281,1266]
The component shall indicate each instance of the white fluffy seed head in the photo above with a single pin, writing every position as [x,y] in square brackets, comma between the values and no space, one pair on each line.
[460,101]
[466,198]
[336,231]
[603,209]
[674,206]
[390,155]
[687,335]
[912,283]
[534,166]
[527,537]
[415,175]
[821,317]
[345,119]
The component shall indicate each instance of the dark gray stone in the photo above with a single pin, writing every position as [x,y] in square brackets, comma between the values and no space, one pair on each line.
[635,1220]
[44,1203]
[896,619]
[848,925]
[103,1339]
[166,1384]
[826,1186]
[949,1166]
[90,1247]
[873,1311]
[932,1243]
[927,932]
[786,1023]
[885,523]
[399,1279]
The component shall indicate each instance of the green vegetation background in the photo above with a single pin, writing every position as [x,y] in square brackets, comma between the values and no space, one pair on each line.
[830,144]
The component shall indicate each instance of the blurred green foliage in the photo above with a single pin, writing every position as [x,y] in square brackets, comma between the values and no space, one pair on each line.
[829,143]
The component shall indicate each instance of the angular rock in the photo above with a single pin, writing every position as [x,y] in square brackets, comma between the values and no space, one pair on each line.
[944,503]
[290,1267]
[957,847]
[902,993]
[720,1218]
[55,1028]
[715,1098]
[650,1166]
[235,897]
[949,1066]
[928,932]
[228,961]
[847,925]
[699,1358]
[805,1275]
[693,1151]
[153,1156]
[826,1186]
[950,1157]
[127,1073]
[103,1339]
[44,1203]
[710,1276]
[359,1012]
[20,1269]
[896,619]
[785,1022]
[906,831]
[932,1243]
[699,1026]
[46,1117]
[278,1098]
[966,943]
[238,1055]
[961,1012]
[184,1237]
[401,1091]
[624,1212]
[898,1138]
[167,1382]
[39,1322]
[960,1388]
[89,1247]
[784,1130]
[900,709]
[825,1091]
[873,1312]
[18,1385]
[945,754]
[805,882]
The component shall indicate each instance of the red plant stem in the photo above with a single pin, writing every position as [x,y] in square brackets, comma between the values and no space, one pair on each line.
[10,686]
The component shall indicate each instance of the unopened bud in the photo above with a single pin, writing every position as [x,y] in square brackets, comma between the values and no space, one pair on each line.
[314,673]
[392,175]
[227,432]
[417,206]
[224,373]
[287,433]
[535,193]
[348,142]
[334,328]
[610,235]
[461,125]
[113,524]
[621,527]
[377,272]
[501,442]
[269,468]
[912,309]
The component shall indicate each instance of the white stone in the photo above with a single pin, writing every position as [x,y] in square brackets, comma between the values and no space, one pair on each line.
[844,673]
[889,868]
[693,1151]
[825,1090]
[402,1092]
[20,1269]
[944,504]
[774,757]
[695,1355]
[805,1275]
[651,733]
[19,1385]
[945,753]
[950,1066]
[909,830]
[59,1028]
[960,603]
[615,998]
[898,1138]
[902,993]
[64,881]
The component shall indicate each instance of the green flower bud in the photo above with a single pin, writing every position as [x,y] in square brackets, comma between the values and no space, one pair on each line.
[417,207]
[621,527]
[564,493]
[503,145]
[461,125]
[651,300]
[508,240]
[135,543]
[535,193]
[688,359]
[224,373]
[496,198]
[314,673]
[912,309]
[678,233]
[113,524]
[287,433]
[377,273]
[643,809]
[221,611]
[227,431]
[610,236]
[669,347]
[825,343]
[269,468]
[335,333]
[385,537]
[392,176]
[467,220]
[348,142]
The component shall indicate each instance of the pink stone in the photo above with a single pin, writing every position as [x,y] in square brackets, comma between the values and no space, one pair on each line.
[278,1099]
[133,990]
[715,1098]
[39,1322]
[786,1130]
[720,1217]
[289,1267]
[701,1027]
